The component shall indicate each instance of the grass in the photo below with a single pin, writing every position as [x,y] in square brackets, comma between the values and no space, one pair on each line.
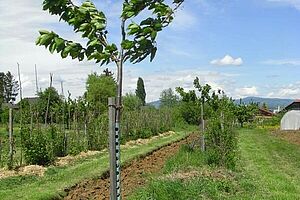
[273,162]
[269,168]
[52,185]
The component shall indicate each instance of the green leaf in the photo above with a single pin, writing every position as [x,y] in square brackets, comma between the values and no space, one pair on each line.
[52,47]
[66,50]
[178,1]
[93,43]
[153,35]
[100,26]
[127,44]
[111,48]
[38,40]
[83,26]
[64,54]
[42,32]
[60,44]
[153,53]
[46,39]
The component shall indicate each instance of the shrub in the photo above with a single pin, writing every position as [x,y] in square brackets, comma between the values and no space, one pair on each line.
[221,138]
[38,149]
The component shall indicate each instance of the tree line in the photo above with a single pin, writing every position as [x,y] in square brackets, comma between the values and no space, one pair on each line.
[81,124]
[52,125]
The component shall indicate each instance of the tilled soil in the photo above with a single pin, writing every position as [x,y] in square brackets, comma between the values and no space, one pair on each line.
[132,175]
[290,136]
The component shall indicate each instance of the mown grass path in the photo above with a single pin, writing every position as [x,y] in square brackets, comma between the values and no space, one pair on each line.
[52,185]
[273,163]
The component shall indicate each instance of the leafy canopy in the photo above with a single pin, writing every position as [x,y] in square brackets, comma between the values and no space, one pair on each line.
[99,88]
[132,102]
[9,88]
[168,98]
[92,25]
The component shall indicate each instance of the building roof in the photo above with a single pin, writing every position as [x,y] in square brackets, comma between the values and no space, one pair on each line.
[264,112]
[10,105]
[31,100]
[294,105]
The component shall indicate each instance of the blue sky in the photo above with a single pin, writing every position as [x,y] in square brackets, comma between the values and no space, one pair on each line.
[245,47]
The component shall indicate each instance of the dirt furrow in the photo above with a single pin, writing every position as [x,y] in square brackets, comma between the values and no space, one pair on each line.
[133,175]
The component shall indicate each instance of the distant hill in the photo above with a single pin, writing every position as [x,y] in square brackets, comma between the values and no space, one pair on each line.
[272,103]
[156,104]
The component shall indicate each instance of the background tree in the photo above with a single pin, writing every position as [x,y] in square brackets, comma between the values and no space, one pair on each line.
[265,106]
[189,106]
[9,88]
[204,92]
[221,139]
[99,88]
[140,91]
[2,75]
[245,113]
[131,102]
[168,98]
[54,101]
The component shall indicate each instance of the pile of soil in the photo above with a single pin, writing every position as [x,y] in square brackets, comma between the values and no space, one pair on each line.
[290,136]
[132,176]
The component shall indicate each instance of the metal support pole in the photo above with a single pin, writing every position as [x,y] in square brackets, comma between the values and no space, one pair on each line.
[118,150]
[114,149]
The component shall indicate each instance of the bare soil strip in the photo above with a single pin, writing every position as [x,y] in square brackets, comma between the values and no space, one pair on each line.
[290,136]
[133,175]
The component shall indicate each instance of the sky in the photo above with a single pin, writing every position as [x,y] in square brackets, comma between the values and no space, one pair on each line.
[244,47]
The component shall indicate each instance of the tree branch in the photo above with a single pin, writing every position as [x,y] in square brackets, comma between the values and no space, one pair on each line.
[171,13]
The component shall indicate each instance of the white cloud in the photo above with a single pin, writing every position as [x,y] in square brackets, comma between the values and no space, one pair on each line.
[227,60]
[183,19]
[287,91]
[157,81]
[294,3]
[246,91]
[282,62]
[19,25]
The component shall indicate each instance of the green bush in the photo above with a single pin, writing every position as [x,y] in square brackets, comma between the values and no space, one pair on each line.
[220,136]
[38,149]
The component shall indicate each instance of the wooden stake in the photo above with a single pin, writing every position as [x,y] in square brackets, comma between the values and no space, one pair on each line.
[11,142]
[21,118]
[48,102]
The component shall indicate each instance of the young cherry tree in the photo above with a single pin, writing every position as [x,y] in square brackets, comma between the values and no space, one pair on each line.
[138,39]
[204,91]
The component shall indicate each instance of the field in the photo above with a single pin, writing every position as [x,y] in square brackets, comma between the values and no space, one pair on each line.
[162,168]
[56,179]
[269,169]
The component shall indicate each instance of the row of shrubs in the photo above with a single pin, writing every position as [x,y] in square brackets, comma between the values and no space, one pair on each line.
[42,145]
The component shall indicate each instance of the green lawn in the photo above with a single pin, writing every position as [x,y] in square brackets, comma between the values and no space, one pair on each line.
[269,169]
[274,164]
[52,185]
